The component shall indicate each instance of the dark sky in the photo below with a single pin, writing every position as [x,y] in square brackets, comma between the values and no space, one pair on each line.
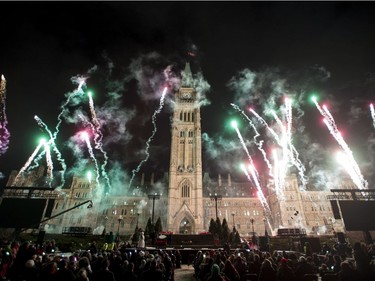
[290,47]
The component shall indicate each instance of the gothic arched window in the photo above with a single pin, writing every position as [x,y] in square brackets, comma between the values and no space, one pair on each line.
[185,190]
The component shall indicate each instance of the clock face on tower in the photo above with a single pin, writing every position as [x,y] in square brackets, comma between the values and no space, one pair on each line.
[186,95]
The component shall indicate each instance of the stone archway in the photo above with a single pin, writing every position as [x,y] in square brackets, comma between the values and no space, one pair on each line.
[185,226]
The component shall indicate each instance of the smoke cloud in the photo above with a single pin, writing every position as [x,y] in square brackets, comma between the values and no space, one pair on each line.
[264,91]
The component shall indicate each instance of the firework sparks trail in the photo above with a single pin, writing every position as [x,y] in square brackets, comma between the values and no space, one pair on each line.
[278,168]
[77,92]
[357,176]
[288,115]
[288,148]
[53,136]
[284,164]
[259,190]
[55,149]
[372,111]
[161,104]
[85,138]
[49,162]
[254,175]
[28,162]
[278,180]
[36,161]
[265,124]
[234,124]
[279,174]
[4,132]
[258,143]
[289,151]
[293,151]
[343,160]
[98,137]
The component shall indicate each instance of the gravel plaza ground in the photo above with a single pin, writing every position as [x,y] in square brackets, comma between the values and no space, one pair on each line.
[185,273]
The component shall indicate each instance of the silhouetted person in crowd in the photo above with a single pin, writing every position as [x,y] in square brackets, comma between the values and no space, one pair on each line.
[128,274]
[215,274]
[30,272]
[240,265]
[255,265]
[48,271]
[104,274]
[285,272]
[64,273]
[337,264]
[205,268]
[303,267]
[267,272]
[116,267]
[347,272]
[362,260]
[153,273]
[307,249]
[84,269]
[178,259]
[93,249]
[230,271]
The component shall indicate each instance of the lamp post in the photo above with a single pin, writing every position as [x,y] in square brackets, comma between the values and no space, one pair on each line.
[216,198]
[105,224]
[252,225]
[120,218]
[266,233]
[234,225]
[265,227]
[153,197]
[137,220]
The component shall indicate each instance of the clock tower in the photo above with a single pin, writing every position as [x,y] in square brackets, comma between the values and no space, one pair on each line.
[185,204]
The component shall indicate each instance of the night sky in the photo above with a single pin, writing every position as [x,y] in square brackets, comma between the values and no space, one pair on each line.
[124,48]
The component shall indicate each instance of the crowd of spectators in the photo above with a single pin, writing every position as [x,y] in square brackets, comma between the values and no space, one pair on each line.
[254,265]
[29,262]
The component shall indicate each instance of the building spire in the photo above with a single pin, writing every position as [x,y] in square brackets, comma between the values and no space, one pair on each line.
[187,77]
